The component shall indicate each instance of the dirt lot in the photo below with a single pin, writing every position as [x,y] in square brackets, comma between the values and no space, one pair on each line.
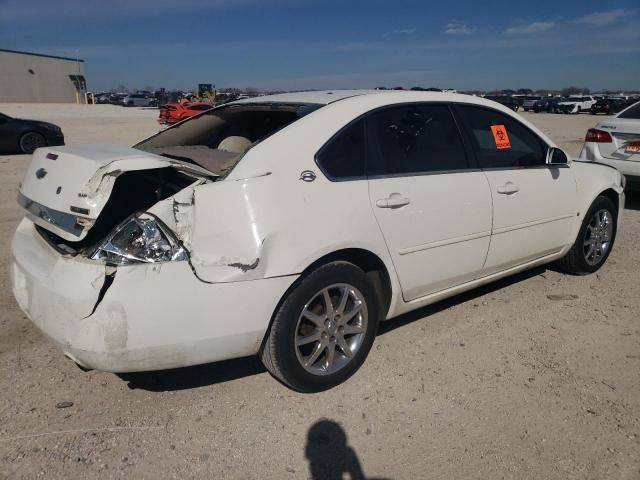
[502,382]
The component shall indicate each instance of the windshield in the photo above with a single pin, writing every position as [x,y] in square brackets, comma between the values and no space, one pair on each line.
[218,138]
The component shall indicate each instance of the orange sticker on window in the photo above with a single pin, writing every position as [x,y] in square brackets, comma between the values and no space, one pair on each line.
[500,136]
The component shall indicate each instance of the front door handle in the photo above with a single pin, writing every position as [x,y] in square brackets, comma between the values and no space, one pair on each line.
[508,188]
[395,200]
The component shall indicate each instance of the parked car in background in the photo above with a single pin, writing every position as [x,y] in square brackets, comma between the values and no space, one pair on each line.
[608,106]
[103,98]
[616,142]
[528,102]
[220,236]
[577,104]
[548,104]
[116,98]
[18,135]
[171,113]
[510,102]
[139,100]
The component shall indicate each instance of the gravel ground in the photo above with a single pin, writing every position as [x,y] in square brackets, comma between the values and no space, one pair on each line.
[501,382]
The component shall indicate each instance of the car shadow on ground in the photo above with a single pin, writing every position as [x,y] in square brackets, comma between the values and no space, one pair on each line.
[219,372]
[632,200]
[421,313]
[194,377]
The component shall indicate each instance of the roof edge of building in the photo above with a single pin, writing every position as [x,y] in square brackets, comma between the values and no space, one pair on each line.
[41,55]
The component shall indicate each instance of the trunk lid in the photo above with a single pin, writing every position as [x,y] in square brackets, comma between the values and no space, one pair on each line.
[625,135]
[65,188]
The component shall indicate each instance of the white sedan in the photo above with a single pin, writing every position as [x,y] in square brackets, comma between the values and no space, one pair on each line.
[289,225]
[616,142]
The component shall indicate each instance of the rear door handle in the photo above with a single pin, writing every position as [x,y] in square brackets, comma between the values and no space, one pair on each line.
[395,200]
[508,188]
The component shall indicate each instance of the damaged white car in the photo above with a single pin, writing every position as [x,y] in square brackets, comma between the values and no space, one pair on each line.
[288,226]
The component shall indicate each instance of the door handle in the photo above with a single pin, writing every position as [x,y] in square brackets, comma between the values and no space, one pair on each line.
[508,188]
[395,200]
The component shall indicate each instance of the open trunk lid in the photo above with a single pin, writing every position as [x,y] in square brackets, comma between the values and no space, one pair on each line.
[625,135]
[65,188]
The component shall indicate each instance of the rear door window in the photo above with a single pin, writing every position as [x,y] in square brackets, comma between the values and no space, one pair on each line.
[500,140]
[631,112]
[414,139]
[342,158]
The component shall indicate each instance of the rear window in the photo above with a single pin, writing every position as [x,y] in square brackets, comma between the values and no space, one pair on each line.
[632,112]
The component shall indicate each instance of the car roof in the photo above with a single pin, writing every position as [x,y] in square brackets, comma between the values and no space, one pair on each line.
[326,97]
[320,97]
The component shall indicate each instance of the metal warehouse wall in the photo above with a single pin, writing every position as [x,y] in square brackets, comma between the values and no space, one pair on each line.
[34,78]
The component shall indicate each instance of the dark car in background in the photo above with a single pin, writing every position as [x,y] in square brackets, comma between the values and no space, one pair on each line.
[529,101]
[548,104]
[510,102]
[17,135]
[608,106]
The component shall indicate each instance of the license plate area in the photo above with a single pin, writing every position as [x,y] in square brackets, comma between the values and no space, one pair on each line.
[632,148]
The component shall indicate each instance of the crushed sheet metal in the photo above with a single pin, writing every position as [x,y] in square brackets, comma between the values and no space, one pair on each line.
[183,215]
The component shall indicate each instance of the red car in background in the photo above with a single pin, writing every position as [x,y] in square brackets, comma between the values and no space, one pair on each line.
[175,112]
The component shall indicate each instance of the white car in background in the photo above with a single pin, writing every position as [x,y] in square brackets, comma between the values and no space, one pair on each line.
[289,225]
[616,142]
[577,104]
[139,100]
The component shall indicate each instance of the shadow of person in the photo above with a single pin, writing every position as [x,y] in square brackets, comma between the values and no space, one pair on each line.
[328,453]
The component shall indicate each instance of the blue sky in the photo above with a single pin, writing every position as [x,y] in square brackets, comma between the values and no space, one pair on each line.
[289,44]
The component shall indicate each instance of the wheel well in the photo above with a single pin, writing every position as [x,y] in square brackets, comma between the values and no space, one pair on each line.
[370,263]
[612,195]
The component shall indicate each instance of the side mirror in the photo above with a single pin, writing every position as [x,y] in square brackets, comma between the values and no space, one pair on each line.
[556,156]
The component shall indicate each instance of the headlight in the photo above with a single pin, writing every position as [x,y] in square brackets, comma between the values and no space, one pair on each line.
[139,239]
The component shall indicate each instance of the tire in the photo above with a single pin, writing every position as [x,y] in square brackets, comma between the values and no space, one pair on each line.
[30,141]
[580,260]
[310,366]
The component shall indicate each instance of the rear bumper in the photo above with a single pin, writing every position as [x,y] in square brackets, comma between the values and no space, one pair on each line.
[149,317]
[629,168]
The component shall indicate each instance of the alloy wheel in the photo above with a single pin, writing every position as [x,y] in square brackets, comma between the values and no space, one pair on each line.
[32,141]
[597,237]
[331,329]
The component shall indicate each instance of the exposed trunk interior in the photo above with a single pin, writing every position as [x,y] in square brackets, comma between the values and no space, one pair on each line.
[217,139]
[132,192]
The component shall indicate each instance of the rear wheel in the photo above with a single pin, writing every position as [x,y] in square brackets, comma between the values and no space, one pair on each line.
[323,330]
[595,239]
[30,141]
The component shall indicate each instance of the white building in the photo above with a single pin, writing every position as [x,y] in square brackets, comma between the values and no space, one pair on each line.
[33,77]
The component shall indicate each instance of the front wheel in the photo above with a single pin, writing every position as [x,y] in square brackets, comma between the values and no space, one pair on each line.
[595,239]
[30,141]
[323,329]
